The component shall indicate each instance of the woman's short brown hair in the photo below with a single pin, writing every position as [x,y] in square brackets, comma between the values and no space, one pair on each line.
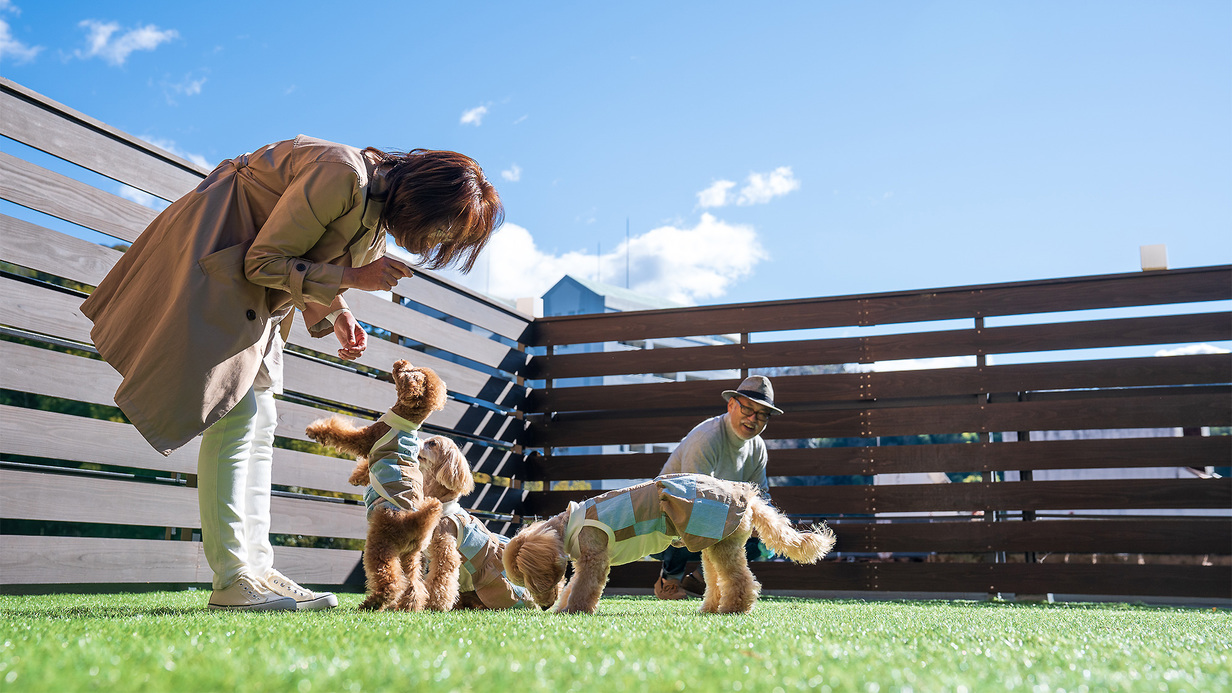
[433,191]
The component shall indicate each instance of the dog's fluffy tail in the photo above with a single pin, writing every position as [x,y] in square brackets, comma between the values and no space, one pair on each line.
[776,531]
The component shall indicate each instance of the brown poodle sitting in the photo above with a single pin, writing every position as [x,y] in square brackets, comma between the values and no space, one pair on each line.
[464,558]
[706,514]
[400,518]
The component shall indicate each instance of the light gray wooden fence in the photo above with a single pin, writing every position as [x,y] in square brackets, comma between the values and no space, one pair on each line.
[72,481]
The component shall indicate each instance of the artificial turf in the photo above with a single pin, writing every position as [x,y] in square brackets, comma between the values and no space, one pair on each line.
[168,641]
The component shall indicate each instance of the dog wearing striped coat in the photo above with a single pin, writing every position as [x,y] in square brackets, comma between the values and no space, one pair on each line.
[701,512]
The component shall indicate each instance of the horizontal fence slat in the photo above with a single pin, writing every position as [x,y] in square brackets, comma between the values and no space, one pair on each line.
[1090,334]
[39,122]
[805,390]
[1018,298]
[44,191]
[44,311]
[422,328]
[1208,582]
[461,303]
[55,253]
[69,498]
[1201,408]
[1103,494]
[32,308]
[1165,536]
[37,560]
[1187,451]
[382,354]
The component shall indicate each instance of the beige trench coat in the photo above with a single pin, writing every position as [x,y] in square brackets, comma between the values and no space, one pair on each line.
[185,315]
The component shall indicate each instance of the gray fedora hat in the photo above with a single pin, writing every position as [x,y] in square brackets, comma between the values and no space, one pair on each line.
[758,389]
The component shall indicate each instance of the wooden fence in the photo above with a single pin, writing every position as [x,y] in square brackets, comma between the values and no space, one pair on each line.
[72,479]
[991,536]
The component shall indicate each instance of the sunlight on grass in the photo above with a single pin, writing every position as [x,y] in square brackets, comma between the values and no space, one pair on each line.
[168,641]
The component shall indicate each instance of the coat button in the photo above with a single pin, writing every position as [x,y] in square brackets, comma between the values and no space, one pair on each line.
[301,267]
[252,314]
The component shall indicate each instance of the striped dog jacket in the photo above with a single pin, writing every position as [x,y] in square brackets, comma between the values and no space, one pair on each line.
[644,519]
[482,570]
[394,479]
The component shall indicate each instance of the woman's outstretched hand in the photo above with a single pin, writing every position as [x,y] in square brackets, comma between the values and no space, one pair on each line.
[380,275]
[350,335]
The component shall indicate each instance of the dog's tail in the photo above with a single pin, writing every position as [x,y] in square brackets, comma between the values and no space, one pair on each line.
[777,533]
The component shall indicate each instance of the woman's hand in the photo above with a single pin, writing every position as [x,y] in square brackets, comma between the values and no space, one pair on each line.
[350,335]
[380,275]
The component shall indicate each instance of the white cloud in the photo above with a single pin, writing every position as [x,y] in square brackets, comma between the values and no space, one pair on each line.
[171,148]
[114,49]
[513,174]
[189,86]
[716,195]
[12,50]
[763,187]
[1192,349]
[143,198]
[474,116]
[759,188]
[683,265]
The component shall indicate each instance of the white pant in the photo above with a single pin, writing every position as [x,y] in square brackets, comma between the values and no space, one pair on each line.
[233,489]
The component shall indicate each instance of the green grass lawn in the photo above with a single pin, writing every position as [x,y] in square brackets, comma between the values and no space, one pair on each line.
[168,641]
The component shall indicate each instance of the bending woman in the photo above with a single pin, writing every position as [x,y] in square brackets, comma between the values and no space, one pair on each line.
[196,312]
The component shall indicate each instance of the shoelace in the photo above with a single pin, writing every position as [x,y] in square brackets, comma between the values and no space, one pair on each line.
[288,585]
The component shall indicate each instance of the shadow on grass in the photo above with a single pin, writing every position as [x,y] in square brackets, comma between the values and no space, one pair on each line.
[98,612]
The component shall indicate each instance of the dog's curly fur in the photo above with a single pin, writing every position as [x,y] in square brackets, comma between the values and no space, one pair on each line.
[447,477]
[396,538]
[535,558]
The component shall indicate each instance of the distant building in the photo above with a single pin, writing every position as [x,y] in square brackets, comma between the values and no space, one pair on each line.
[574,296]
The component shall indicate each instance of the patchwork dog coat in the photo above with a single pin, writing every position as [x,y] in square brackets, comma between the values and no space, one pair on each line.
[644,519]
[394,479]
[482,570]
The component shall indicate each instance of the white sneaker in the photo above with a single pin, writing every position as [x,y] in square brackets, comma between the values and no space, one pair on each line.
[249,594]
[305,599]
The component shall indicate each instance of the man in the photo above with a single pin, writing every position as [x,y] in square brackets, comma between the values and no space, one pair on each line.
[728,446]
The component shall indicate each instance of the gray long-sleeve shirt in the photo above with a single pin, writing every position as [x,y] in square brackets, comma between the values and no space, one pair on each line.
[713,448]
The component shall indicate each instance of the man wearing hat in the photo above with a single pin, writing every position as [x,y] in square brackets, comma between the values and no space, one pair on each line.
[728,446]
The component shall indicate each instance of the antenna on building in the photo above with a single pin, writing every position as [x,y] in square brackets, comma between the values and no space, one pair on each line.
[599,262]
[626,252]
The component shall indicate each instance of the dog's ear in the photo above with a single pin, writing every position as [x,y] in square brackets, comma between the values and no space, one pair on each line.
[533,559]
[452,469]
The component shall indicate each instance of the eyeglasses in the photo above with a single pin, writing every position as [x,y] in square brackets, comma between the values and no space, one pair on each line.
[761,416]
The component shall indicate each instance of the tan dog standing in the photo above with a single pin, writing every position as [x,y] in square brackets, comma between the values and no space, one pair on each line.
[400,517]
[706,514]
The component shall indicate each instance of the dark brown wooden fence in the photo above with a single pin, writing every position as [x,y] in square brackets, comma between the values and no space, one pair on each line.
[989,536]
[72,479]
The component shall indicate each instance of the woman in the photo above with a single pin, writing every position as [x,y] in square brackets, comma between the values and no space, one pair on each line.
[194,315]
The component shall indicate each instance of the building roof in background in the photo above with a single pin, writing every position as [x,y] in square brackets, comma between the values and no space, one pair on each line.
[617,298]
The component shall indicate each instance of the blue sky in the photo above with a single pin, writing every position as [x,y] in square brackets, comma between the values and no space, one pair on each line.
[756,151]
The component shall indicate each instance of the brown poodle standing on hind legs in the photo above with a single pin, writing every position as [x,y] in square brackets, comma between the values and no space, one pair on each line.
[400,517]
[706,514]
